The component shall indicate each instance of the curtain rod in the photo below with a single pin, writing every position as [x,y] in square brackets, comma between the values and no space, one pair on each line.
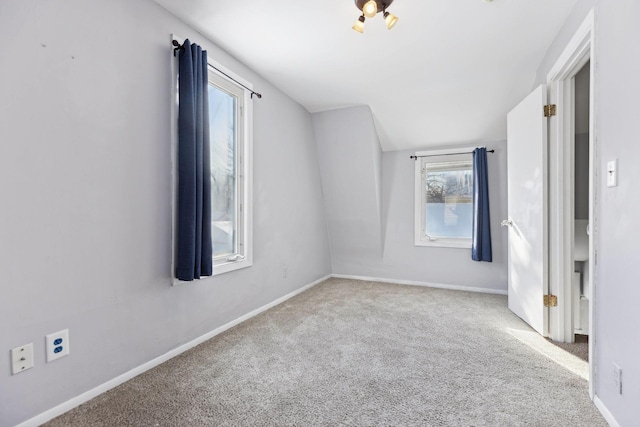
[447,154]
[178,46]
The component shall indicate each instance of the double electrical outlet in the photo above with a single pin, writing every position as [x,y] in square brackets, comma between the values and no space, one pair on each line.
[57,346]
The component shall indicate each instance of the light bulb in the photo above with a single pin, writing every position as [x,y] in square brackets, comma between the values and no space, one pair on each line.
[390,20]
[370,9]
[359,25]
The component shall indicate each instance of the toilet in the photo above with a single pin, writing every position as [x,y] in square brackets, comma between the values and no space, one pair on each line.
[581,277]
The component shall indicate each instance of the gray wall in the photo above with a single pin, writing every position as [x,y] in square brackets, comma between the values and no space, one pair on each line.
[349,155]
[581,177]
[347,148]
[582,99]
[581,173]
[403,260]
[617,293]
[85,190]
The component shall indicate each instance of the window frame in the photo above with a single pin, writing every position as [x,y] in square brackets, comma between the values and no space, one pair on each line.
[241,258]
[439,157]
[244,166]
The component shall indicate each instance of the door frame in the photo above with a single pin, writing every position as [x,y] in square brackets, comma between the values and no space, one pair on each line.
[579,50]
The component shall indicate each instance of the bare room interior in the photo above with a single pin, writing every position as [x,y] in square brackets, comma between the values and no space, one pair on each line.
[341,212]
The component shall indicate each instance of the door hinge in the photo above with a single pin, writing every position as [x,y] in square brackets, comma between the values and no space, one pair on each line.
[550,300]
[549,110]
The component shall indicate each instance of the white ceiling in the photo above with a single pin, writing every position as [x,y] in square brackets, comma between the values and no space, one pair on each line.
[448,72]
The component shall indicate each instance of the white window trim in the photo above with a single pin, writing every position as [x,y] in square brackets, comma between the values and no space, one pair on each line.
[420,239]
[245,168]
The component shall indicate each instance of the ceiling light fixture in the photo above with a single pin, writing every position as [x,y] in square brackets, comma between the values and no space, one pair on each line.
[370,8]
[359,25]
[390,20]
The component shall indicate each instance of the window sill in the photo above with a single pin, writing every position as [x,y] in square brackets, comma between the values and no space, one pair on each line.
[445,243]
[218,269]
[228,266]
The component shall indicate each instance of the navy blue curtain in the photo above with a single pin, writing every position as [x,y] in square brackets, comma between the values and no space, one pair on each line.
[194,248]
[481,247]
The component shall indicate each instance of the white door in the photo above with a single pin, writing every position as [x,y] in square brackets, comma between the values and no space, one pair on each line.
[527,209]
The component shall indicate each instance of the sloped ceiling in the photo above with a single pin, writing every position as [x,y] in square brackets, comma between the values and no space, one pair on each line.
[448,72]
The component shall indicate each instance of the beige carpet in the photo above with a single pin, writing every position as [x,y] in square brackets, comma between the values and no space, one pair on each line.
[358,353]
[579,348]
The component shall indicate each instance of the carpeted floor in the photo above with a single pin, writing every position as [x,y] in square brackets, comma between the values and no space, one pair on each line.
[578,348]
[358,353]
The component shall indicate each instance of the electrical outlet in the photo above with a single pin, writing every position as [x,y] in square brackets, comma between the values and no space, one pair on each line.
[21,358]
[57,345]
[617,378]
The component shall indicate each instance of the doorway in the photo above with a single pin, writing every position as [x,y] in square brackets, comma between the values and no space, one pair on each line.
[581,280]
[572,175]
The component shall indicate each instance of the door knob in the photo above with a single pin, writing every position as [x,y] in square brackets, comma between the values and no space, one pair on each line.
[506,223]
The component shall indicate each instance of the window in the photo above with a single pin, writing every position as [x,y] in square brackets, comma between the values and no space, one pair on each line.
[444,199]
[230,174]
[230,143]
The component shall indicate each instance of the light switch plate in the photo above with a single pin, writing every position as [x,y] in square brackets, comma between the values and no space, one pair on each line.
[21,358]
[612,173]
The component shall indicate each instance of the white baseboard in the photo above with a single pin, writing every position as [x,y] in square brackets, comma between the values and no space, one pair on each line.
[608,416]
[86,396]
[425,284]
